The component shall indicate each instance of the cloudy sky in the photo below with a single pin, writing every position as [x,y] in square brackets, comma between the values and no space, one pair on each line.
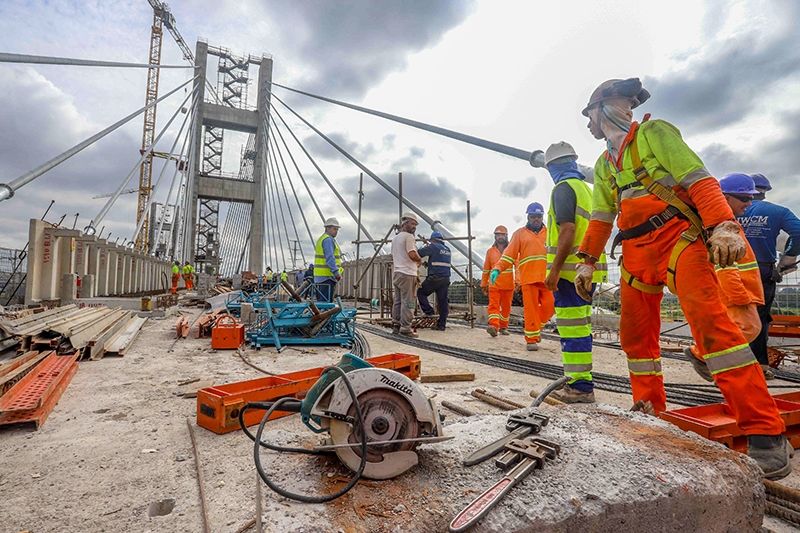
[725,73]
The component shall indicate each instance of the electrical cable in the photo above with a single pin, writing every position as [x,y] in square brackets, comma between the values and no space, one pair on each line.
[258,443]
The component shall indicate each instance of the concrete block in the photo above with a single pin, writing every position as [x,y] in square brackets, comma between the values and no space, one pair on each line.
[618,471]
[87,286]
[247,311]
[69,287]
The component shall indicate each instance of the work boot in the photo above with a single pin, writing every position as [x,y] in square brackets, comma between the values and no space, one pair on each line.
[772,453]
[410,334]
[533,347]
[699,366]
[395,330]
[645,407]
[490,329]
[569,395]
[768,373]
[504,331]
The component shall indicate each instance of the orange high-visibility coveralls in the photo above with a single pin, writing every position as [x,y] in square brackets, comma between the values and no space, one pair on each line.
[669,161]
[501,293]
[528,250]
[741,291]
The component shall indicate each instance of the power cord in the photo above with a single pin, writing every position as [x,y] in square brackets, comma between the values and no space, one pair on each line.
[295,407]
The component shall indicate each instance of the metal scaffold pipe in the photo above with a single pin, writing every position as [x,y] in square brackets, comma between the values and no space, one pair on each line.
[7,189]
[436,225]
[535,158]
[47,60]
[104,211]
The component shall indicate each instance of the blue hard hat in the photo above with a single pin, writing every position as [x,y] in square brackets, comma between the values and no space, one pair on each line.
[535,209]
[437,235]
[761,181]
[737,184]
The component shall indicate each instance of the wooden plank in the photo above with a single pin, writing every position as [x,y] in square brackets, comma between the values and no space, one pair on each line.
[10,379]
[445,374]
[5,368]
[191,390]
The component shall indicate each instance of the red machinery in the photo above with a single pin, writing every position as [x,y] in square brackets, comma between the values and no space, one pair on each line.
[227,334]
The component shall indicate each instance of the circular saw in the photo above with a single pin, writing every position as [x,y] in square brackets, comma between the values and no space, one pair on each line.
[397,417]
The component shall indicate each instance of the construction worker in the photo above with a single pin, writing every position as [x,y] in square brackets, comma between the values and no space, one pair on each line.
[502,290]
[284,276]
[740,284]
[406,262]
[527,248]
[651,182]
[176,276]
[327,261]
[567,221]
[188,275]
[762,222]
[438,280]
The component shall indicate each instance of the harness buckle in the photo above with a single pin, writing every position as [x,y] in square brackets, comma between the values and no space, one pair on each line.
[657,221]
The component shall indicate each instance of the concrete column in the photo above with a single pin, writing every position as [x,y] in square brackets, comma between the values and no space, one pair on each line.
[196,165]
[93,257]
[37,251]
[120,277]
[88,286]
[50,283]
[256,259]
[127,272]
[69,287]
[102,268]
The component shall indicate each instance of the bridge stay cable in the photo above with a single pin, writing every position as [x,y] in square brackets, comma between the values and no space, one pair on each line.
[50,60]
[321,173]
[274,146]
[274,185]
[90,229]
[7,189]
[273,211]
[273,149]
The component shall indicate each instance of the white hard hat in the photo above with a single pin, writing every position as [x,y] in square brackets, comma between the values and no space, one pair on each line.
[333,221]
[410,216]
[557,150]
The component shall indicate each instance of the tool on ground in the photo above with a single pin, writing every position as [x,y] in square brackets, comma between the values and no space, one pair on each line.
[457,408]
[203,503]
[522,457]
[375,419]
[495,401]
[519,425]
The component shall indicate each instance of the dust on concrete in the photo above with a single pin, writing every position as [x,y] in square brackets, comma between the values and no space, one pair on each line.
[92,467]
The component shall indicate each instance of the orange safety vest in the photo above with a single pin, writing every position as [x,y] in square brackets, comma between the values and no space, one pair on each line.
[740,284]
[529,251]
[505,281]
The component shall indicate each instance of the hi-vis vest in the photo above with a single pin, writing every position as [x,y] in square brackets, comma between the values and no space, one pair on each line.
[583,213]
[176,269]
[320,266]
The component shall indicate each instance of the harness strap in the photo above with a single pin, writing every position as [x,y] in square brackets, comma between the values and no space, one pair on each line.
[636,283]
[653,223]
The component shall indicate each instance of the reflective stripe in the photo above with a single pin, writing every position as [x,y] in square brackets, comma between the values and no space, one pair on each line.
[645,367]
[694,176]
[604,216]
[336,256]
[564,322]
[532,258]
[439,264]
[553,249]
[583,212]
[571,369]
[574,266]
[729,359]
[505,318]
[532,333]
[506,259]
[494,315]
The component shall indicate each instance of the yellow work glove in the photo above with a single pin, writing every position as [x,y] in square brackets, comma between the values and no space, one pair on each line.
[726,244]
[583,280]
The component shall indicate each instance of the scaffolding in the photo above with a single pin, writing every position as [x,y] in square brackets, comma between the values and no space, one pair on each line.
[13,268]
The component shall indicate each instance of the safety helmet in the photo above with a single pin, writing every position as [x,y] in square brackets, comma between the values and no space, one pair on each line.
[535,209]
[437,235]
[501,229]
[761,182]
[409,215]
[558,150]
[631,89]
[737,183]
[332,221]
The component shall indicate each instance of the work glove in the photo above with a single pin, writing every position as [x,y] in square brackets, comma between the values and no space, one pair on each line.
[493,276]
[726,244]
[787,263]
[583,280]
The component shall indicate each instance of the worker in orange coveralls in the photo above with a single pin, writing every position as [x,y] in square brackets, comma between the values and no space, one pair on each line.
[176,276]
[188,275]
[527,248]
[740,284]
[502,291]
[674,223]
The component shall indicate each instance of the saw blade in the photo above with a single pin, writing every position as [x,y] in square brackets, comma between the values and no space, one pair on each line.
[387,417]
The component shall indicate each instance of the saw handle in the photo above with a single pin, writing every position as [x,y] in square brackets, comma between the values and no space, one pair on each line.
[286,407]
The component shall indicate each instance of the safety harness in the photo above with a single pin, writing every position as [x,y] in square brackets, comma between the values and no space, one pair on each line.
[676,208]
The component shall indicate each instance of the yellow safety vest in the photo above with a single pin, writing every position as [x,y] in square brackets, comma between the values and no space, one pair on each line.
[175,269]
[320,266]
[583,213]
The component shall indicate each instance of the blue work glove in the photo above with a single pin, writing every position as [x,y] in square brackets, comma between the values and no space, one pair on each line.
[493,276]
